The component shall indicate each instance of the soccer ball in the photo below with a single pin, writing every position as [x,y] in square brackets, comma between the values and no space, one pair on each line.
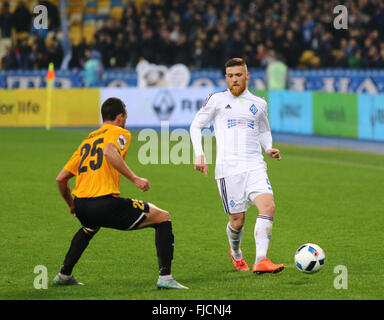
[309,258]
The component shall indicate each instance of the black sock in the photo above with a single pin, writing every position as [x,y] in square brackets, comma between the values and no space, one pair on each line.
[79,243]
[164,241]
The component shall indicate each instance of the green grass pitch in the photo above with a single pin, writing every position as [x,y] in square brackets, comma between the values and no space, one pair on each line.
[330,197]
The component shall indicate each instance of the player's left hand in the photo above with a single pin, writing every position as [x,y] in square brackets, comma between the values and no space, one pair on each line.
[274,153]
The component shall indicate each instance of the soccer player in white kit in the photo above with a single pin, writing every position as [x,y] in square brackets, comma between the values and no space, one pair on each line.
[240,121]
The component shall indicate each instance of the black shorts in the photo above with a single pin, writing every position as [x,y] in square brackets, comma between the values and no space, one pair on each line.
[110,212]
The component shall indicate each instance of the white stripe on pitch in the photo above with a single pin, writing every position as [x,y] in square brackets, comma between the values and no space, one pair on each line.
[336,162]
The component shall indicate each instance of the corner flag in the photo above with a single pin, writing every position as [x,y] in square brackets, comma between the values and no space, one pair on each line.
[50,79]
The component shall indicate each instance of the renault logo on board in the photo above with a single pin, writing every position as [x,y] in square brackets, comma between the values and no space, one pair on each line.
[163,105]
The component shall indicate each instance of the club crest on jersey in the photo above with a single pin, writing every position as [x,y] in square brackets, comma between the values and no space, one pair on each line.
[253,109]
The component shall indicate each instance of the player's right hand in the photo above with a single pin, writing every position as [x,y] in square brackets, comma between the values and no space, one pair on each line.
[142,183]
[200,165]
[72,211]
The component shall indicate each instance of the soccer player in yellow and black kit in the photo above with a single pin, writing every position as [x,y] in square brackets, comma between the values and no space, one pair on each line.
[98,164]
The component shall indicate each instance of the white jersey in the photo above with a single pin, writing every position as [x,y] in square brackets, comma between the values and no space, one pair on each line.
[241,128]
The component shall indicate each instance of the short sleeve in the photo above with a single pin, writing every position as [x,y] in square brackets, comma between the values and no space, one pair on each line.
[121,139]
[73,164]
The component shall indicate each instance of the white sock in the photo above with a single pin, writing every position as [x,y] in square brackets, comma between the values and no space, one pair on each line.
[234,238]
[64,276]
[263,234]
[166,278]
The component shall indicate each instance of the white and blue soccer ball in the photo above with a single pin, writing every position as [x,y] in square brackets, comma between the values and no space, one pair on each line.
[309,258]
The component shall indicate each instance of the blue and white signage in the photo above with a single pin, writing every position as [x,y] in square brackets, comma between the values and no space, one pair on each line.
[291,111]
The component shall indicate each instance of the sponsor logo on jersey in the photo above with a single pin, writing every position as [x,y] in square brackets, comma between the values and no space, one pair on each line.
[241,123]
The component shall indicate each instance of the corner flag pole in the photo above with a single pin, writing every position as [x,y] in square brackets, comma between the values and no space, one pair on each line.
[50,79]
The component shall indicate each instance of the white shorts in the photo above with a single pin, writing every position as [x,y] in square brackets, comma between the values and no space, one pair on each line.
[238,191]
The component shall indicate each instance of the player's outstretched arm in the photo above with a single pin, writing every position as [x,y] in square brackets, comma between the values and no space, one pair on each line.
[114,158]
[62,181]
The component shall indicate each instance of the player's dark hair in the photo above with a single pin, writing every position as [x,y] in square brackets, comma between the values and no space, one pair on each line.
[235,62]
[111,108]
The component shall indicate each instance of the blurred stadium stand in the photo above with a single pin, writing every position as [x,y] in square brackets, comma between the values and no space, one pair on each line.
[201,34]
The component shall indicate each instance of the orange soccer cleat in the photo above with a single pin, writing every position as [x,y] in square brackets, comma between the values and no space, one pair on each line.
[240,265]
[266,266]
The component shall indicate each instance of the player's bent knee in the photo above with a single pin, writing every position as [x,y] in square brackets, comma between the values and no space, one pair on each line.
[271,207]
[268,208]
[154,217]
[164,216]
[237,224]
[237,220]
[160,214]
